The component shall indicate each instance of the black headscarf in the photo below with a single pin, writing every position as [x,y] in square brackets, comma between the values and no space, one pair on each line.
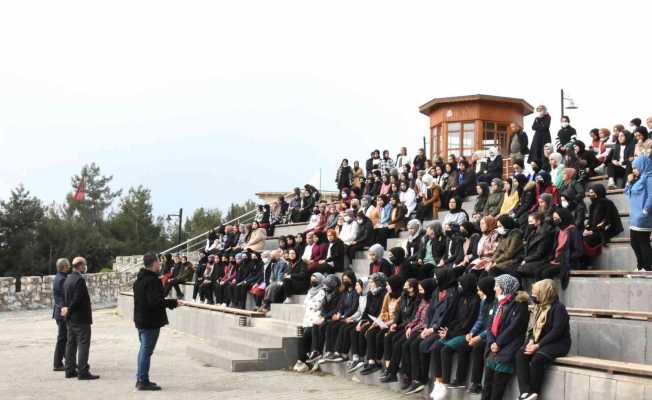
[469,283]
[428,286]
[458,206]
[487,284]
[396,283]
[522,181]
[397,255]
[565,216]
[507,222]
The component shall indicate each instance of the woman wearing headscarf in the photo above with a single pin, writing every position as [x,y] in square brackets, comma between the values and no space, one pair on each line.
[313,304]
[545,207]
[509,251]
[398,216]
[472,350]
[448,191]
[453,246]
[586,158]
[568,249]
[344,176]
[482,189]
[544,185]
[575,204]
[344,337]
[374,301]
[619,160]
[493,167]
[452,335]
[541,127]
[411,335]
[639,194]
[331,285]
[456,215]
[538,247]
[349,229]
[505,336]
[471,235]
[295,279]
[375,334]
[512,194]
[487,245]
[395,336]
[556,168]
[430,203]
[432,251]
[570,182]
[527,200]
[548,337]
[415,240]
[495,199]
[603,222]
[400,265]
[376,261]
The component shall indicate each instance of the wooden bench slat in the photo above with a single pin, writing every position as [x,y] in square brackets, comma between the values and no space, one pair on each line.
[606,365]
[610,313]
[228,310]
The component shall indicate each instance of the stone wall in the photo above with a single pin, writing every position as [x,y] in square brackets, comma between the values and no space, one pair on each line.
[36,291]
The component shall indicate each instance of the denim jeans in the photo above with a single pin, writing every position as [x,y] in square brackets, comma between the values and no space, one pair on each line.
[148,339]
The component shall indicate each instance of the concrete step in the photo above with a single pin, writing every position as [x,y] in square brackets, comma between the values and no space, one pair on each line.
[291,313]
[560,383]
[245,348]
[226,360]
[616,256]
[289,229]
[612,339]
[283,327]
[633,294]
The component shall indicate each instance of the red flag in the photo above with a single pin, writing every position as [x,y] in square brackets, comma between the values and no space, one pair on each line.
[80,194]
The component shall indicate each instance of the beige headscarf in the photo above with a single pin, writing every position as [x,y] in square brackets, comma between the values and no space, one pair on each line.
[546,292]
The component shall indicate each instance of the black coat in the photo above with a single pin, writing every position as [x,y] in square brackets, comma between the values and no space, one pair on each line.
[299,276]
[57,295]
[565,136]
[454,249]
[604,217]
[539,246]
[555,339]
[149,301]
[413,247]
[464,316]
[374,304]
[365,233]
[385,267]
[515,318]
[522,141]
[337,255]
[541,127]
[438,249]
[494,168]
[467,186]
[526,200]
[407,307]
[77,299]
[614,154]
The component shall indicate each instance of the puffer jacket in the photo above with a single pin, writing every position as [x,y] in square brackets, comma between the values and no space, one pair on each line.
[313,303]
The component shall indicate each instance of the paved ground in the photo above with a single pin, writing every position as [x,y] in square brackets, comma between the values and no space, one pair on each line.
[27,342]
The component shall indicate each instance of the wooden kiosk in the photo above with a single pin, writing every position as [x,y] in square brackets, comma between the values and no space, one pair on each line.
[462,125]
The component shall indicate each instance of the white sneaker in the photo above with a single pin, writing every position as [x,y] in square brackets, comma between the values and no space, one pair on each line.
[530,396]
[303,368]
[441,394]
[436,391]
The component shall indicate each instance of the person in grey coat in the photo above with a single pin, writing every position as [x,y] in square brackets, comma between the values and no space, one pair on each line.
[63,268]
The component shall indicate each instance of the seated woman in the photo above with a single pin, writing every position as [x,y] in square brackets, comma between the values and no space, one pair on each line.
[495,199]
[374,302]
[295,277]
[456,215]
[240,270]
[603,222]
[425,289]
[453,334]
[538,248]
[548,337]
[208,281]
[331,219]
[453,247]
[493,167]
[544,185]
[400,265]
[575,204]
[568,249]
[397,219]
[329,307]
[586,160]
[619,160]
[487,245]
[509,251]
[512,193]
[428,207]
[274,272]
[345,334]
[346,307]
[349,230]
[415,241]
[472,350]
[432,251]
[527,202]
[440,177]
[381,216]
[471,237]
[407,197]
[569,182]
[256,242]
[393,339]
[317,252]
[220,289]
[466,180]
[313,303]
[482,189]
[333,261]
[376,261]
[505,336]
[374,335]
[448,191]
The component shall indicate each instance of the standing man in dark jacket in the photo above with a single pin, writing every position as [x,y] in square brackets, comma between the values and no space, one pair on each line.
[77,310]
[149,316]
[63,268]
[518,143]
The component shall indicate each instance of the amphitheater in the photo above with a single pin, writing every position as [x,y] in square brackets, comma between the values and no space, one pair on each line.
[610,306]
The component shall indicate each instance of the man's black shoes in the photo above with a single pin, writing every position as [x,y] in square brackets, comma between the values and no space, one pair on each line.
[150,386]
[58,369]
[72,374]
[88,377]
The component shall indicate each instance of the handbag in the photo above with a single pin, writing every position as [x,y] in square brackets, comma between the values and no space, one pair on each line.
[258,290]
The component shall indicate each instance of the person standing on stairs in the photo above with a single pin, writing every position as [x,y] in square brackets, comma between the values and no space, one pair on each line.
[541,127]
[548,337]
[639,194]
[149,316]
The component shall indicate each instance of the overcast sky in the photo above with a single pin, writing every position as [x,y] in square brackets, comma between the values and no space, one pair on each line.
[206,103]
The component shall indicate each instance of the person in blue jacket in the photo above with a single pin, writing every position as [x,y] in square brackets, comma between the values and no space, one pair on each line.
[639,193]
[505,336]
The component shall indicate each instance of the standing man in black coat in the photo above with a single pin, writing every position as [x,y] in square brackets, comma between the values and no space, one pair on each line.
[77,310]
[541,127]
[149,316]
[63,268]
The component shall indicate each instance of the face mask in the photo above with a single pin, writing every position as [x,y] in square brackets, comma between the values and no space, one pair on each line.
[267,260]
[541,114]
[344,195]
[532,226]
[449,233]
[314,283]
[556,222]
[374,290]
[564,204]
[564,124]
[316,212]
[360,220]
[501,230]
[347,219]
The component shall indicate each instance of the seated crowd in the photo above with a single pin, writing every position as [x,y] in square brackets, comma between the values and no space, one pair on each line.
[459,287]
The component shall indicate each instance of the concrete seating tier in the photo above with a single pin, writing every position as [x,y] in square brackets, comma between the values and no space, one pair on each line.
[223,342]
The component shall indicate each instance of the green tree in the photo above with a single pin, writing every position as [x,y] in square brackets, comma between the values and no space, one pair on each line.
[202,220]
[236,210]
[20,218]
[133,228]
[99,195]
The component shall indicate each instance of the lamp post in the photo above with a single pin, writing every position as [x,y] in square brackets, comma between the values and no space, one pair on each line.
[571,105]
[180,216]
